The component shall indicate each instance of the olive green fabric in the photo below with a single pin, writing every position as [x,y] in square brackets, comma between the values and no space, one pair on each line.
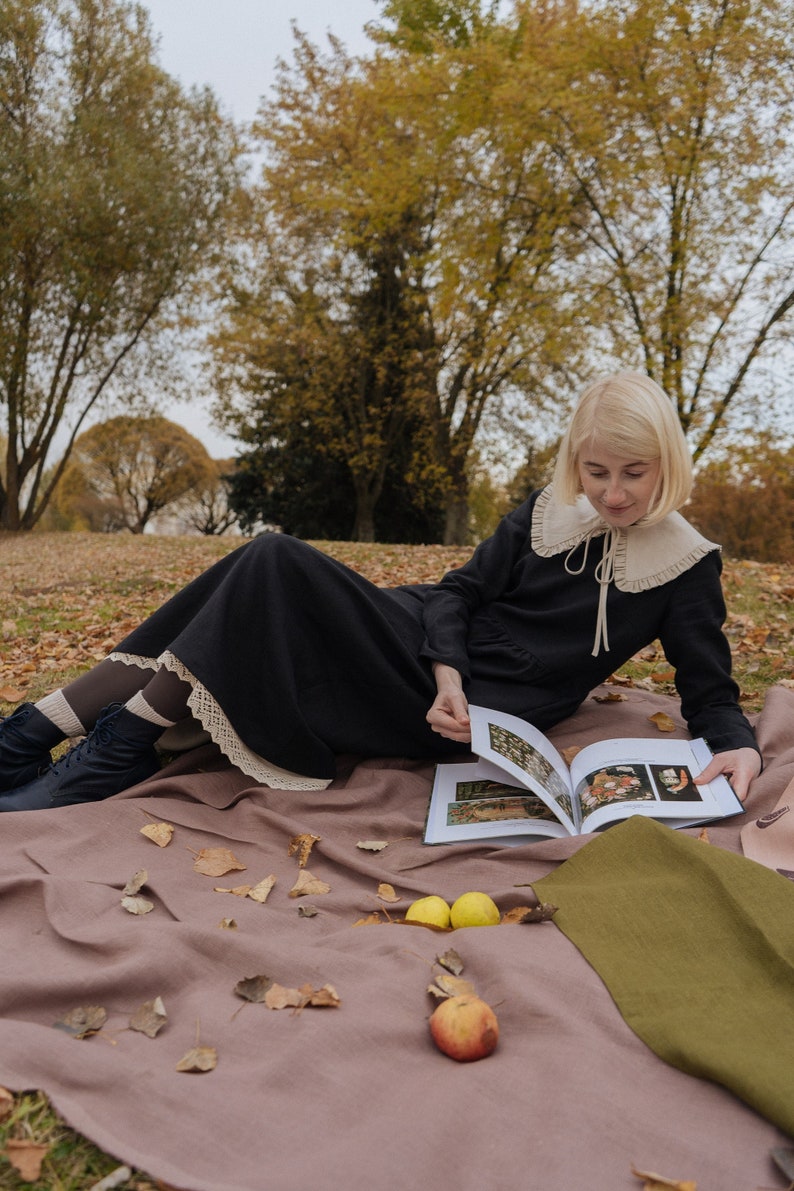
[696,946]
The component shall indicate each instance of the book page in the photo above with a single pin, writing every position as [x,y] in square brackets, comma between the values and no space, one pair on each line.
[617,778]
[474,802]
[524,753]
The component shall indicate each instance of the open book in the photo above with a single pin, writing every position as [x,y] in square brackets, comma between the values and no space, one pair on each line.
[521,787]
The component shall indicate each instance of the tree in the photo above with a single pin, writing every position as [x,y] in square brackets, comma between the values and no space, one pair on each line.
[676,121]
[113,194]
[206,507]
[124,471]
[401,263]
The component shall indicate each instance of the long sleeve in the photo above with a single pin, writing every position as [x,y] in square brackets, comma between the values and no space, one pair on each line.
[448,606]
[695,645]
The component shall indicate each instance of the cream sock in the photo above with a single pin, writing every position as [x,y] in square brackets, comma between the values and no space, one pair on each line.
[139,706]
[56,708]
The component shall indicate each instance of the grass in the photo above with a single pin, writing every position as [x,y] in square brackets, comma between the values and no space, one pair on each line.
[68,598]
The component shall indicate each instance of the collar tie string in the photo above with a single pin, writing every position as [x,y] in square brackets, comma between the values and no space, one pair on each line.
[604,574]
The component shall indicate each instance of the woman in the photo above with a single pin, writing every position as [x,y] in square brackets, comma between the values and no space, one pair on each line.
[288,659]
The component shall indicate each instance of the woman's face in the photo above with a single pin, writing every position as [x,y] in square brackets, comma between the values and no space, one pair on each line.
[619,489]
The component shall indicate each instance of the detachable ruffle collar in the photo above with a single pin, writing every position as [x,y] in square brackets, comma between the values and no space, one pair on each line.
[636,558]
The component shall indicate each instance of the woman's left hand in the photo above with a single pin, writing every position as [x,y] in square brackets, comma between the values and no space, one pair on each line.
[742,765]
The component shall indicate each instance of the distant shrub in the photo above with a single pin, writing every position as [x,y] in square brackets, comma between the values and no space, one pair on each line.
[746,503]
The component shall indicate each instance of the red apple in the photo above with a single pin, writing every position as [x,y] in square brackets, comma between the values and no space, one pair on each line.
[464,1027]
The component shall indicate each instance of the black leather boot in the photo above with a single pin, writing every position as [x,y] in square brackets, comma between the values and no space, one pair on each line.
[26,738]
[117,753]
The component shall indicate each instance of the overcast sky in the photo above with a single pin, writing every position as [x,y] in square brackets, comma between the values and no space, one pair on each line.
[233,46]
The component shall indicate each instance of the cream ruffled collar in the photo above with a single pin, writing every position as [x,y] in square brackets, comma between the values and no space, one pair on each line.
[637,558]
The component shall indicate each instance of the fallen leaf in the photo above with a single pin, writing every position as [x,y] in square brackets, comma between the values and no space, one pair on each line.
[451,961]
[83,1021]
[253,988]
[386,892]
[655,1182]
[137,905]
[307,884]
[373,919]
[10,694]
[26,1157]
[279,997]
[704,836]
[137,882]
[662,721]
[308,911]
[261,891]
[783,1159]
[214,862]
[199,1059]
[569,753]
[447,985]
[149,1018]
[544,912]
[159,833]
[325,998]
[302,844]
[6,1102]
[372,845]
[238,890]
[612,697]
[227,924]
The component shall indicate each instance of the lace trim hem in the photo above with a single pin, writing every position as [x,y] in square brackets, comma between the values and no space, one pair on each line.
[212,718]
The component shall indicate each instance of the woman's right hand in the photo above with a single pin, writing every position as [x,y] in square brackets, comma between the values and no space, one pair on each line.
[449,711]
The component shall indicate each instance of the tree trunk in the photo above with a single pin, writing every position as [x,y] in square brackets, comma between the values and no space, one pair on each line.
[456,520]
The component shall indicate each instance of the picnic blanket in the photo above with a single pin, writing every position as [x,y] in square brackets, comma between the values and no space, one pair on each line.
[354,1096]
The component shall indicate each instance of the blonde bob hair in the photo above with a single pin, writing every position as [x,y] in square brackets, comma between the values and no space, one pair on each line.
[629,415]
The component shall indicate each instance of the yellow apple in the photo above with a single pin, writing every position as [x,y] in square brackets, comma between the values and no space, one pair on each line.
[464,1027]
[430,911]
[474,909]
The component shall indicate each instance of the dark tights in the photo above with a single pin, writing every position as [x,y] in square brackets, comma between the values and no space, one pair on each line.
[116,682]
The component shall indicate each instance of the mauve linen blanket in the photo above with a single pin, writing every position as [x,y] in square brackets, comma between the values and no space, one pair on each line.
[357,1096]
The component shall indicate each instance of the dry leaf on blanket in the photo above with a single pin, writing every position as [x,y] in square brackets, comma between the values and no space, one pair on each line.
[302,844]
[83,1021]
[612,697]
[199,1059]
[307,884]
[253,988]
[238,890]
[137,905]
[662,721]
[784,1160]
[387,893]
[569,753]
[149,1018]
[704,836]
[137,882]
[544,912]
[657,1182]
[279,997]
[308,911]
[227,924]
[26,1157]
[446,985]
[451,961]
[159,833]
[261,890]
[373,919]
[214,862]
[372,845]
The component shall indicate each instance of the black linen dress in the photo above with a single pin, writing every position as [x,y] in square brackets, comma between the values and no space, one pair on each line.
[304,659]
